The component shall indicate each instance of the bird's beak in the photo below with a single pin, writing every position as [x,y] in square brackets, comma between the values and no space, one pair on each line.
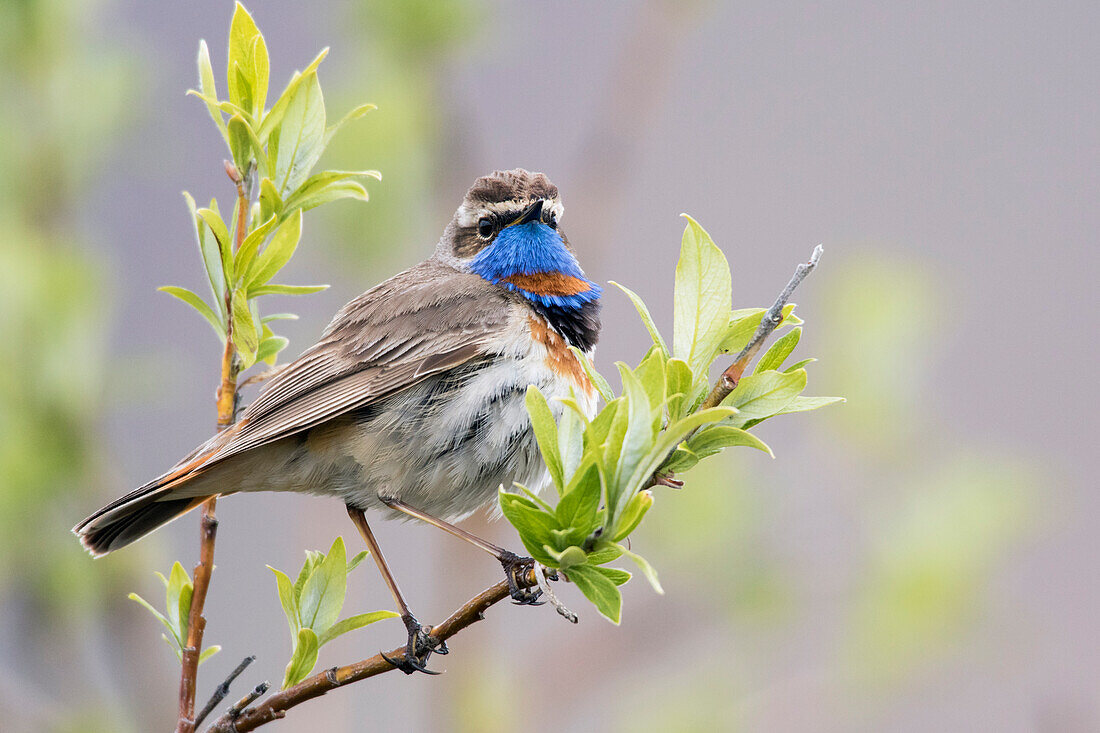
[533,213]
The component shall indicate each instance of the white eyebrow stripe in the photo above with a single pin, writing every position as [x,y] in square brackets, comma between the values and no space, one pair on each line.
[468,216]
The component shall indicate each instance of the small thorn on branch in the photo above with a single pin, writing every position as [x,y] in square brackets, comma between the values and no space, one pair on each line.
[223,689]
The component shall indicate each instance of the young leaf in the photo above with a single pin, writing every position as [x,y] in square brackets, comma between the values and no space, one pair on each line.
[599,589]
[647,569]
[546,434]
[240,146]
[741,329]
[198,304]
[578,508]
[323,594]
[244,329]
[173,641]
[615,575]
[208,248]
[534,525]
[702,299]
[681,460]
[709,441]
[269,349]
[301,135]
[331,192]
[276,254]
[762,395]
[288,599]
[353,622]
[241,66]
[271,203]
[245,256]
[350,116]
[208,87]
[803,404]
[678,388]
[647,319]
[354,562]
[304,658]
[178,601]
[570,441]
[221,235]
[775,356]
[632,515]
[285,290]
[270,128]
[595,377]
[209,652]
[799,365]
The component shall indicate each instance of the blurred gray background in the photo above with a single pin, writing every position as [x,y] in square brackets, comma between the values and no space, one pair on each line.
[920,558]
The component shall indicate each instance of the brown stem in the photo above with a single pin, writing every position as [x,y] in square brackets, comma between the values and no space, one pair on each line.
[226,398]
[771,320]
[275,707]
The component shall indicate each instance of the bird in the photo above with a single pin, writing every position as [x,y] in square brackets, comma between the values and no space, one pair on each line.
[412,403]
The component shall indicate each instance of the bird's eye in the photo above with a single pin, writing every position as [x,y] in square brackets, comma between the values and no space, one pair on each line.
[485,228]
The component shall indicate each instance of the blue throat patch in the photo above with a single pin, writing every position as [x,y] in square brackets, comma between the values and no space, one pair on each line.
[525,250]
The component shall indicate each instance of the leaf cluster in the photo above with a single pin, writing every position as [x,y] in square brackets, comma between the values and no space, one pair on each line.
[602,468]
[312,604]
[274,151]
[178,591]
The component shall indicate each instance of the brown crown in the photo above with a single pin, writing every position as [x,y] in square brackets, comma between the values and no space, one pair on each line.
[508,185]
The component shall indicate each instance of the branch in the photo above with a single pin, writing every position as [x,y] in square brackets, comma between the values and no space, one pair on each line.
[227,415]
[223,689]
[771,320]
[275,707]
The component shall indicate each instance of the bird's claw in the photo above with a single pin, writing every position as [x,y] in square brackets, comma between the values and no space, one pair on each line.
[515,567]
[418,648]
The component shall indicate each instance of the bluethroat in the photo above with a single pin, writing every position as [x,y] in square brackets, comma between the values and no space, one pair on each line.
[412,402]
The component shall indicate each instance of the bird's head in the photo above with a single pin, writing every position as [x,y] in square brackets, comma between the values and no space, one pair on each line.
[507,231]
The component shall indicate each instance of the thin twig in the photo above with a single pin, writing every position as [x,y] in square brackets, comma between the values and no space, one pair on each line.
[222,690]
[275,707]
[540,577]
[227,414]
[238,707]
[771,320]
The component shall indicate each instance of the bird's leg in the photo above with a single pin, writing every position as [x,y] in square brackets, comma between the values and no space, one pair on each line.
[514,566]
[420,644]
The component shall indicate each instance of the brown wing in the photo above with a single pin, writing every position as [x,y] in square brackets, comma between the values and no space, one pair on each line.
[423,321]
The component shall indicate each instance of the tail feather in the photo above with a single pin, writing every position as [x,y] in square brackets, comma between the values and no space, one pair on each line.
[103,533]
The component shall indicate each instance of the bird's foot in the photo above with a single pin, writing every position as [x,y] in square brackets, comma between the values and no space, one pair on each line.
[418,649]
[515,568]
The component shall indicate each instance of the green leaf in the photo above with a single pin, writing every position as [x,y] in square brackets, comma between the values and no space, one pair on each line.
[301,135]
[304,658]
[221,235]
[647,569]
[651,374]
[209,652]
[173,646]
[678,388]
[632,515]
[546,433]
[198,304]
[670,438]
[349,117]
[242,74]
[245,256]
[240,146]
[579,506]
[711,440]
[595,377]
[173,641]
[799,365]
[635,444]
[535,526]
[775,356]
[313,559]
[681,460]
[208,248]
[270,347]
[804,404]
[331,192]
[261,70]
[281,317]
[759,396]
[615,575]
[276,254]
[271,203]
[605,553]
[353,622]
[354,562]
[178,601]
[647,319]
[569,557]
[269,129]
[244,329]
[323,594]
[599,589]
[318,182]
[285,290]
[702,299]
[742,328]
[288,599]
[209,88]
